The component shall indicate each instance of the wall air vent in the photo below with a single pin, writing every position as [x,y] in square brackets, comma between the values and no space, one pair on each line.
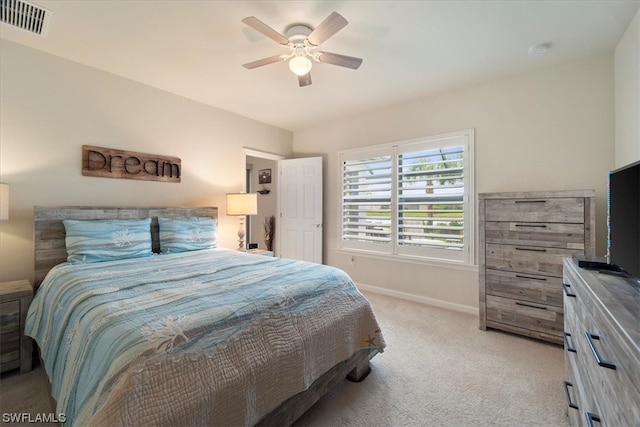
[26,16]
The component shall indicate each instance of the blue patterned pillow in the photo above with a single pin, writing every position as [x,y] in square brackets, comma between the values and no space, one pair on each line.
[90,241]
[187,233]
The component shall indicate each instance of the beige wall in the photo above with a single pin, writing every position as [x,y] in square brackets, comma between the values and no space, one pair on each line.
[50,107]
[627,95]
[551,130]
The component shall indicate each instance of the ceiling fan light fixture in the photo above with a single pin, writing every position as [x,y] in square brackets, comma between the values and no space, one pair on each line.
[300,65]
[303,42]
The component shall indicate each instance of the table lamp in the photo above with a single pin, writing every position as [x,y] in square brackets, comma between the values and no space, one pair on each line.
[241,205]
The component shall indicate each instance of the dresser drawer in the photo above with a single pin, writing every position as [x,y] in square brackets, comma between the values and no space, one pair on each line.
[613,370]
[10,348]
[562,235]
[537,317]
[527,259]
[566,209]
[526,287]
[574,371]
[9,332]
[9,316]
[572,396]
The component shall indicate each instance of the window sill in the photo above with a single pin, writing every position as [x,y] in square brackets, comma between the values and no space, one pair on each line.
[409,259]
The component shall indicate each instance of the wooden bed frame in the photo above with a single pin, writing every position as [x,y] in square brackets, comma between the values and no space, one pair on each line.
[49,250]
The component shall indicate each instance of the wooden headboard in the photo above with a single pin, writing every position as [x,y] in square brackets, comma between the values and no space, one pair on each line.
[49,235]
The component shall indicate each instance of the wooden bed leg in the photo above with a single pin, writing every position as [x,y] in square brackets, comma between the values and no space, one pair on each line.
[360,372]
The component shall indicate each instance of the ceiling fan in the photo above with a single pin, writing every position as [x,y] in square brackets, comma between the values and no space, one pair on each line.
[302,42]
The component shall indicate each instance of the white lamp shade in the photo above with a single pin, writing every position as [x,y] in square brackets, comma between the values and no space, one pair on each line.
[240,204]
[300,65]
[4,201]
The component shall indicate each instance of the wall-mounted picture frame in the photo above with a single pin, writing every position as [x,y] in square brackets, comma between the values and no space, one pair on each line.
[264,176]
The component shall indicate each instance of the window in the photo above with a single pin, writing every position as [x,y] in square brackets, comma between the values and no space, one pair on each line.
[412,199]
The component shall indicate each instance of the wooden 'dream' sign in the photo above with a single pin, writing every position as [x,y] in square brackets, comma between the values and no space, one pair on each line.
[110,163]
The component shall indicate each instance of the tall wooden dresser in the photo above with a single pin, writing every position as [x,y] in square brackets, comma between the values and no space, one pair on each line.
[602,348]
[523,238]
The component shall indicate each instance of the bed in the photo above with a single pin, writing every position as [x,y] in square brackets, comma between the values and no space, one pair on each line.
[191,333]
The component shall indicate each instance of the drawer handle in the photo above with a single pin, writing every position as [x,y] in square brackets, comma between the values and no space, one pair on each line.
[531,249]
[591,418]
[521,276]
[566,343]
[596,353]
[531,201]
[567,292]
[567,384]
[532,225]
[529,305]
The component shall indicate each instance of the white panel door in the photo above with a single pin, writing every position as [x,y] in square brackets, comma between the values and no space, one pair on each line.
[300,219]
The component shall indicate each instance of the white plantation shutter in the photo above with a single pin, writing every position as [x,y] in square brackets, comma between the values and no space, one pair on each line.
[411,198]
[430,197]
[367,183]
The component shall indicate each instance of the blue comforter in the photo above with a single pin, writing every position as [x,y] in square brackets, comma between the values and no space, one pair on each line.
[110,334]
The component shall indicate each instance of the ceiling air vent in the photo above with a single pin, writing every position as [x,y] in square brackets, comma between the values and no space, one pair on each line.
[26,16]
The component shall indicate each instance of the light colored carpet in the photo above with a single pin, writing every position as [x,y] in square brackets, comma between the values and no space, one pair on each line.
[438,369]
[26,393]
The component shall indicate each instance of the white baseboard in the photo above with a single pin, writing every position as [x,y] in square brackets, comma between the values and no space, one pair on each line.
[420,299]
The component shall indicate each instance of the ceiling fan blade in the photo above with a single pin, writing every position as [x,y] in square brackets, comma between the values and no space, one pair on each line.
[334,23]
[341,60]
[304,80]
[266,30]
[263,61]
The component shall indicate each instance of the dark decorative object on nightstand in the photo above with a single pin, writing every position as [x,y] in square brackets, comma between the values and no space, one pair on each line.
[269,231]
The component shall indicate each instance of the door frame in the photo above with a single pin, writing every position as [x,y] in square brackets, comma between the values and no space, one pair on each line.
[250,152]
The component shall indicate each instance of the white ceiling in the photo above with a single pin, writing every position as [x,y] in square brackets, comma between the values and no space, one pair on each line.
[410,48]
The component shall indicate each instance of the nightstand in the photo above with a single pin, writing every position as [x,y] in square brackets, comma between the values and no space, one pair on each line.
[260,252]
[15,347]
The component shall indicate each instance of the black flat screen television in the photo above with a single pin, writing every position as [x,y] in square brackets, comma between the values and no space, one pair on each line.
[623,220]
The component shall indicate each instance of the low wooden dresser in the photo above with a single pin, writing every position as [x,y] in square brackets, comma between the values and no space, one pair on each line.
[523,238]
[602,348]
[15,347]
